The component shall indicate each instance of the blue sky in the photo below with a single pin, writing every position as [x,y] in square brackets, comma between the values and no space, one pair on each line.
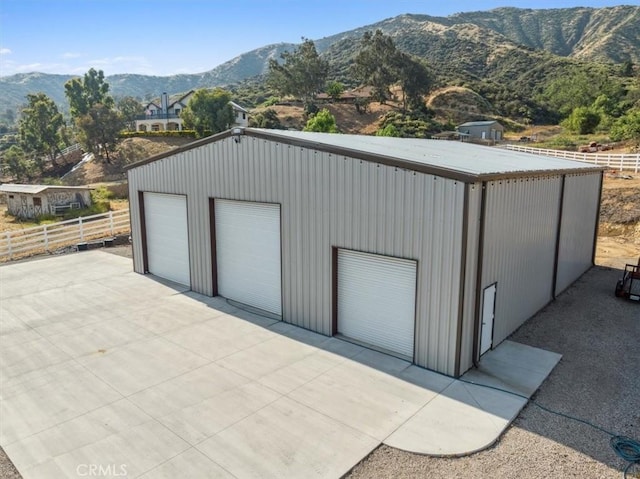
[166,37]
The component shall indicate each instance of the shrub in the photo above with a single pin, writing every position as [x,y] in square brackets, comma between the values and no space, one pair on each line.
[323,122]
[582,120]
[101,194]
[272,100]
[95,209]
[46,218]
[389,130]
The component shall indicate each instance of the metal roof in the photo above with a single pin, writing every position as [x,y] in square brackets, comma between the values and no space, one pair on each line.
[35,189]
[449,159]
[235,106]
[480,123]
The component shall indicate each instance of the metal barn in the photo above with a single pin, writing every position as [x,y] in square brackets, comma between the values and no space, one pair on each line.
[432,251]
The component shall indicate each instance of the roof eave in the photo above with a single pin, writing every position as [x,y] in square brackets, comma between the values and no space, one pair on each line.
[466,177]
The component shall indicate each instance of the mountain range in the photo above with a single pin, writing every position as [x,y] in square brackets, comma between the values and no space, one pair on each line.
[503,44]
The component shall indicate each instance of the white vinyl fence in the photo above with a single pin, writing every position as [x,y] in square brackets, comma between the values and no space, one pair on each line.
[40,239]
[630,162]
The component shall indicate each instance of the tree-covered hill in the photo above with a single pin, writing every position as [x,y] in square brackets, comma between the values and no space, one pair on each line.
[507,55]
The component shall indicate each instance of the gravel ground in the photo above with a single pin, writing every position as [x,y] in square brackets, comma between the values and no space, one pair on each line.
[7,469]
[596,380]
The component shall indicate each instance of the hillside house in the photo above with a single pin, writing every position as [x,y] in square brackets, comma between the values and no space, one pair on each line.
[30,201]
[483,130]
[163,114]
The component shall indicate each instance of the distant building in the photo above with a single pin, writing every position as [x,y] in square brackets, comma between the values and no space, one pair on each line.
[484,130]
[163,114]
[30,201]
[242,115]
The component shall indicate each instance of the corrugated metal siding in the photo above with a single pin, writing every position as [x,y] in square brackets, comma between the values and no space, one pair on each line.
[471,271]
[326,201]
[519,248]
[579,216]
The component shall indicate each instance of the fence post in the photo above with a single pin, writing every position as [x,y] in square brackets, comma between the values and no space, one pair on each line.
[46,239]
[9,244]
[111,222]
[81,230]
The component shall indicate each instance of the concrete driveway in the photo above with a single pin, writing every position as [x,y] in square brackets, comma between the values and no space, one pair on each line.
[108,373]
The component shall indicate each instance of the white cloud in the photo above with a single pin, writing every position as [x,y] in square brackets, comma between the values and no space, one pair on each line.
[71,55]
[5,51]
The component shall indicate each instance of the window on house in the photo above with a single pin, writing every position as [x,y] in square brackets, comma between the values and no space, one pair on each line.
[37,201]
[244,116]
[177,111]
[155,127]
[10,197]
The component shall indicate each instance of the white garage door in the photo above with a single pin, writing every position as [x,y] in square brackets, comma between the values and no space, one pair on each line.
[165,218]
[248,253]
[376,300]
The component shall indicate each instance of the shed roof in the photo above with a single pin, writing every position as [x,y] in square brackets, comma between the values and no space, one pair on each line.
[480,123]
[449,159]
[36,189]
[237,107]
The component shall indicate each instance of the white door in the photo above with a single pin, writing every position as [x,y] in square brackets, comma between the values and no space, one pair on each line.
[165,218]
[377,300]
[248,253]
[488,313]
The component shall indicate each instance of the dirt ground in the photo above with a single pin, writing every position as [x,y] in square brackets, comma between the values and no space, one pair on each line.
[619,229]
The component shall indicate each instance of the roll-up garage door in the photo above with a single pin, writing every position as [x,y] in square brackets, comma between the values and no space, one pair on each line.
[376,300]
[165,218]
[248,253]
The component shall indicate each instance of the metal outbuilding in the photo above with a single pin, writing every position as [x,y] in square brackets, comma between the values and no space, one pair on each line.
[432,251]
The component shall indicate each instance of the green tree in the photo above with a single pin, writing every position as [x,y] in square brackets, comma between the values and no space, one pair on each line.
[40,126]
[389,130]
[375,64]
[335,89]
[208,112]
[323,122]
[582,120]
[18,165]
[100,128]
[129,108]
[415,79]
[627,127]
[302,73]
[83,93]
[266,119]
[580,88]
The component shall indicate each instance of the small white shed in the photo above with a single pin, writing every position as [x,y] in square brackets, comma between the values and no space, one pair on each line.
[30,201]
